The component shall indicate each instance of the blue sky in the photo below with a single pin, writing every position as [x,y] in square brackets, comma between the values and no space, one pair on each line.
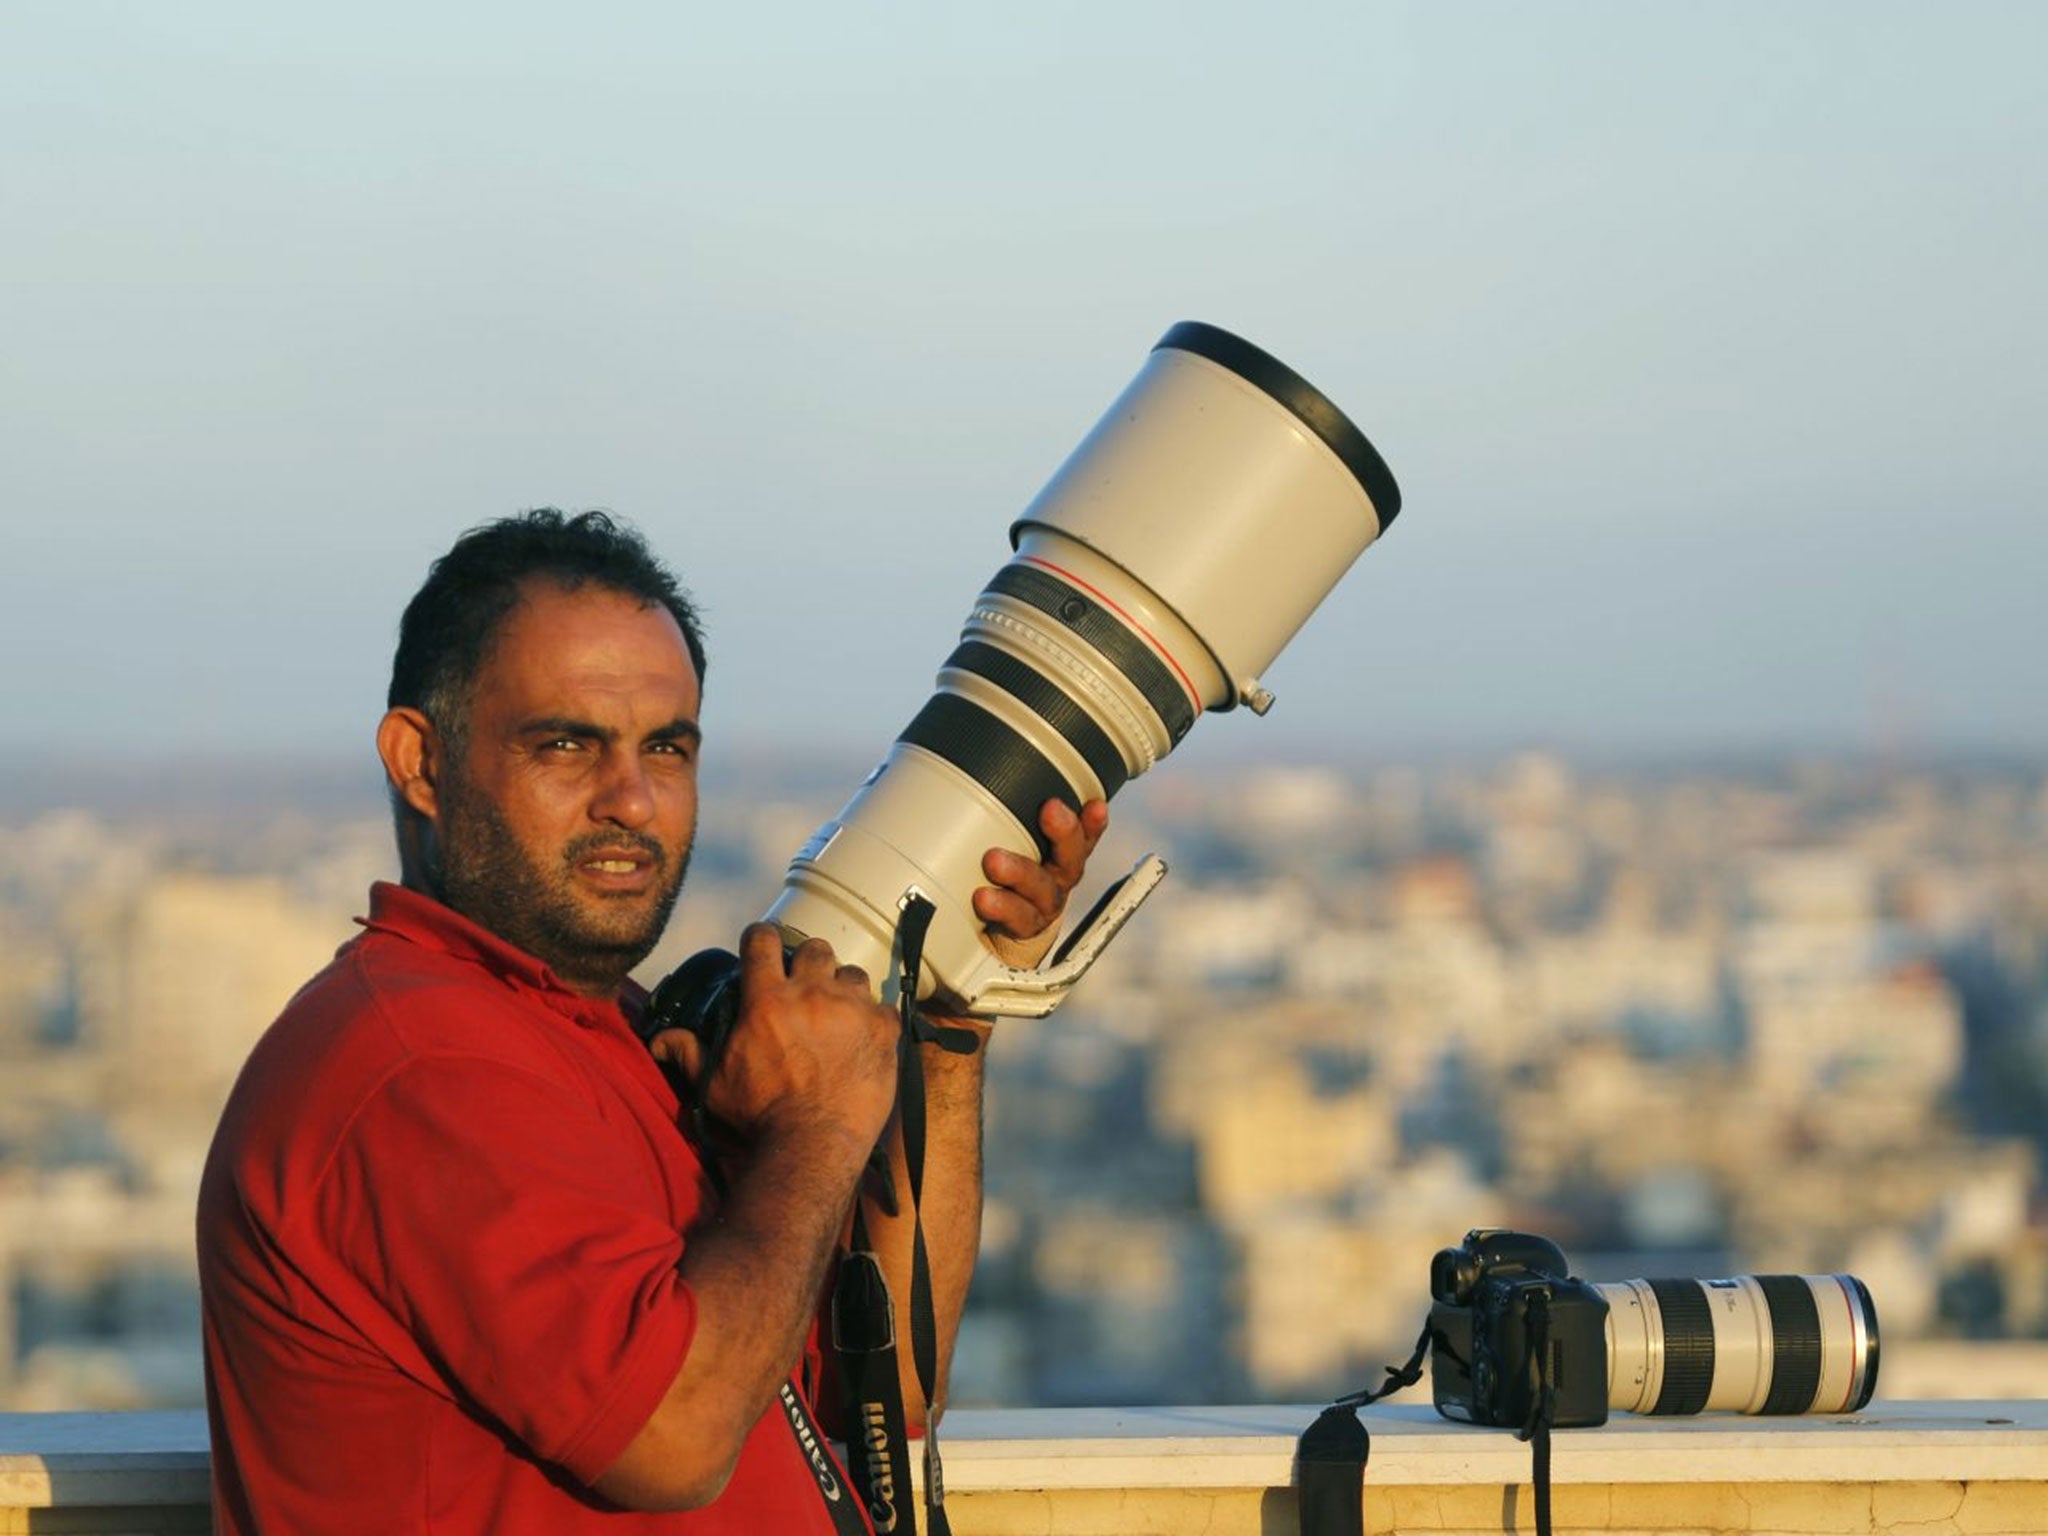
[1710,346]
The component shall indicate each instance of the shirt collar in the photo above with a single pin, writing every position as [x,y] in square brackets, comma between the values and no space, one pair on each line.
[419,919]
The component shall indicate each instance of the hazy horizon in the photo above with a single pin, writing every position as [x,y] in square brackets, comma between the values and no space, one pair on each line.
[336,783]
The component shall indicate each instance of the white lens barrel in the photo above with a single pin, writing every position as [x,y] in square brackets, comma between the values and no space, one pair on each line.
[1635,1346]
[1750,1344]
[1167,563]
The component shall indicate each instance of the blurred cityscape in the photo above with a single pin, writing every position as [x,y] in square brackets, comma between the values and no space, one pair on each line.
[1784,1017]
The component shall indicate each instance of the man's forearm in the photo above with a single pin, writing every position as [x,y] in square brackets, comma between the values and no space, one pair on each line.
[758,1270]
[755,1274]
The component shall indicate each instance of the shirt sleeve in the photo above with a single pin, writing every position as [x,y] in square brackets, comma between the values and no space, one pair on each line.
[513,1249]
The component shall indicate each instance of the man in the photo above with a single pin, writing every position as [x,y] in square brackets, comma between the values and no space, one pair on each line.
[461,1270]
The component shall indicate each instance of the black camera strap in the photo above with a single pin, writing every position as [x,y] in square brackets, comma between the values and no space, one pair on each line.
[864,1339]
[1331,1454]
[810,1441]
[864,1319]
[1542,1404]
[1330,1457]
[1329,1473]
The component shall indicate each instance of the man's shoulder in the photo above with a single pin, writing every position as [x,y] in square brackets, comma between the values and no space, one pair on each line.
[382,1007]
[384,1014]
[386,995]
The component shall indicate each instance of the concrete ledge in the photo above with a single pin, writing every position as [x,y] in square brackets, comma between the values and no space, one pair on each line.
[117,1460]
[1413,1447]
[1643,1509]
[1931,1469]
[1900,1469]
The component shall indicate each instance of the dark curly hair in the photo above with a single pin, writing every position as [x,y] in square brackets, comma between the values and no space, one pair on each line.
[452,621]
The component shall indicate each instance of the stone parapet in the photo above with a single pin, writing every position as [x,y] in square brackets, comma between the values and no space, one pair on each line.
[1916,1469]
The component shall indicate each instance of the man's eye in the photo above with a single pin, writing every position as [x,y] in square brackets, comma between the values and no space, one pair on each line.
[561,744]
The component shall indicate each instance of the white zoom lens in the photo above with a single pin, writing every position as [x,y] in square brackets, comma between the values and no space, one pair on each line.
[1750,1344]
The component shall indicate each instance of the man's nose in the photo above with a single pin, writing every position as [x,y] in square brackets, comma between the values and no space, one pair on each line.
[625,797]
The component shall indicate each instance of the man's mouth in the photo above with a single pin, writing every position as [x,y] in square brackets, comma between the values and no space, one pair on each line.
[622,870]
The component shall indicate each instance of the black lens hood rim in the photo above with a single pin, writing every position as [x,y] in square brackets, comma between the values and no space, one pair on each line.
[1873,1351]
[1308,405]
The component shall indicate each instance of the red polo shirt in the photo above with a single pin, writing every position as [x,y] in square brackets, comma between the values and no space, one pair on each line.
[438,1238]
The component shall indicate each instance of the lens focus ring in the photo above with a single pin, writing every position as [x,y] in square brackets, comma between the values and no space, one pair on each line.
[1051,703]
[1688,1346]
[993,755]
[1795,1343]
[1109,635]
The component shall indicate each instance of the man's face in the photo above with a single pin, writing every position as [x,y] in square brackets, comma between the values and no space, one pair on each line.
[564,823]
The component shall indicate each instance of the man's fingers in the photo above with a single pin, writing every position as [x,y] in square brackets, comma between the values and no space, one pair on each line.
[1066,848]
[761,956]
[1095,821]
[1021,889]
[813,961]
[811,1044]
[1072,836]
[1024,897]
[681,1049]
[1007,912]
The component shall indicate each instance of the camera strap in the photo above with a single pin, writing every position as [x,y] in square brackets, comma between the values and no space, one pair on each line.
[1329,1474]
[1330,1457]
[810,1441]
[864,1339]
[1542,1404]
[863,1315]
[1331,1454]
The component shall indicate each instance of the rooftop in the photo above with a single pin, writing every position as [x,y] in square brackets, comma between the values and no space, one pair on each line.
[1924,1468]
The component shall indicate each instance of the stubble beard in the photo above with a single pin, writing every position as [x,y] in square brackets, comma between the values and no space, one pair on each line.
[477,866]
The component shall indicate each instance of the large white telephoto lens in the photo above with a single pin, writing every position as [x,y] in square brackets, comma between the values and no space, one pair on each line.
[1168,562]
[1753,1344]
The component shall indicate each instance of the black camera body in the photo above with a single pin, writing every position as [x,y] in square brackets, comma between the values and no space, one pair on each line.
[701,995]
[1490,1299]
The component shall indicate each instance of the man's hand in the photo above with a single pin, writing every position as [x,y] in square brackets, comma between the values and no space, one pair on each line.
[811,1051]
[807,1081]
[1023,907]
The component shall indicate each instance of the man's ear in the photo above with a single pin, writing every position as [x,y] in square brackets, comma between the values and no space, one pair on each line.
[411,750]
